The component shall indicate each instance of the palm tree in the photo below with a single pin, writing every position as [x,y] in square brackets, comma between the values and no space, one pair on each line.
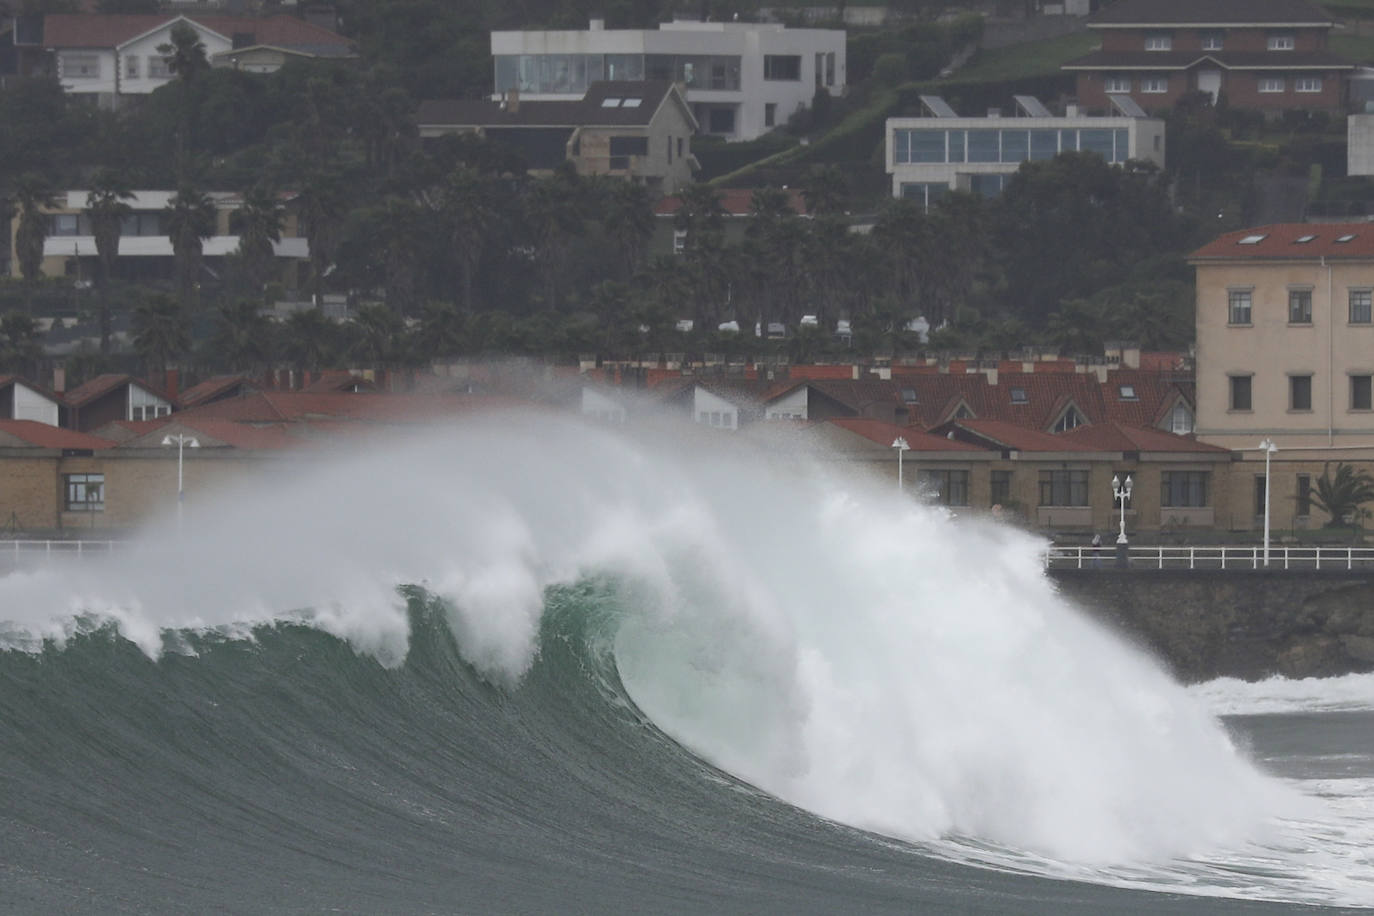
[190,220]
[443,331]
[308,339]
[259,223]
[825,190]
[33,196]
[161,332]
[469,210]
[320,203]
[107,210]
[19,346]
[243,336]
[186,58]
[1342,495]
[377,331]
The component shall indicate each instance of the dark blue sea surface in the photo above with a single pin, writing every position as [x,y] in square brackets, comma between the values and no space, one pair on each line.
[290,774]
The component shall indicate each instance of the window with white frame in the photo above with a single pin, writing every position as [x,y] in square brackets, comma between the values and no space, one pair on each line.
[81,66]
[1271,84]
[1308,84]
[1159,41]
[1212,41]
[1180,420]
[131,66]
[1154,84]
[1070,419]
[679,241]
[1360,306]
[144,405]
[1238,303]
[1117,84]
[1300,306]
[84,492]
[1282,41]
[158,68]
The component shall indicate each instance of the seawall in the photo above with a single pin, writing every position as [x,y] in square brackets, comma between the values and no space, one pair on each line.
[1248,624]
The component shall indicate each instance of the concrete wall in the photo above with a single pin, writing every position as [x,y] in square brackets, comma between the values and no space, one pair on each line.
[1205,624]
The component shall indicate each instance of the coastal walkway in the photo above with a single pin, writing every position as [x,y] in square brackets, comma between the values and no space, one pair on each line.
[1212,557]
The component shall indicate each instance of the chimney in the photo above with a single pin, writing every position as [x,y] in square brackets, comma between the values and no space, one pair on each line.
[59,379]
[171,381]
[597,24]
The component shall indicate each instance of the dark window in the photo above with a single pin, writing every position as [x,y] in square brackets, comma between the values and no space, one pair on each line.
[1360,311]
[1063,488]
[949,488]
[1240,392]
[1300,392]
[1001,488]
[770,114]
[1238,301]
[782,67]
[1300,306]
[1183,489]
[1360,392]
[1259,495]
[1304,495]
[85,492]
[721,121]
[629,146]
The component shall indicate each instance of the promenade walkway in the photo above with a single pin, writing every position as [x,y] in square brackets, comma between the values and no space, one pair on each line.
[1212,557]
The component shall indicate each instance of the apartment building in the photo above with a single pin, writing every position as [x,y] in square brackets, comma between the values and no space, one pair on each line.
[741,79]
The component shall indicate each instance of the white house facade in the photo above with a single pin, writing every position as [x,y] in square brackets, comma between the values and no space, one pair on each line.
[132,66]
[929,156]
[741,79]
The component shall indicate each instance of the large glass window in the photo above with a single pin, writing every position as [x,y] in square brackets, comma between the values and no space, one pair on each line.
[80,66]
[923,192]
[1015,145]
[84,492]
[785,67]
[1064,488]
[956,145]
[624,67]
[1360,392]
[708,72]
[987,185]
[949,488]
[1096,140]
[721,121]
[1068,141]
[1183,489]
[1001,488]
[927,146]
[983,146]
[1044,144]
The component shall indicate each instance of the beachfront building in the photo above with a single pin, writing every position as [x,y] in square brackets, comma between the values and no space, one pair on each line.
[930,156]
[145,248]
[741,79]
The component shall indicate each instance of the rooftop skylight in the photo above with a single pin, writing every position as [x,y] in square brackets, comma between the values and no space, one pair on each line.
[610,103]
[632,103]
[1128,393]
[1252,240]
[1303,239]
[1018,396]
[1345,238]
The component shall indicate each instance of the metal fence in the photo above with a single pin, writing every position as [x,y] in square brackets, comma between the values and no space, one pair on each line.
[17,554]
[1246,557]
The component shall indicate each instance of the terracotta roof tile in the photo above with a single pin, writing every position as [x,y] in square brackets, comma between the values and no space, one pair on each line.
[1119,437]
[31,433]
[1001,434]
[886,433]
[1292,241]
[212,388]
[104,384]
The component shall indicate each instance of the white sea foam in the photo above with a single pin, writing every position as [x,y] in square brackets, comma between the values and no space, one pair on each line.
[1231,697]
[839,646]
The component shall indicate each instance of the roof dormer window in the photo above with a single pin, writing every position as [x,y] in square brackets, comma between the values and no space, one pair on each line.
[1072,418]
[1159,41]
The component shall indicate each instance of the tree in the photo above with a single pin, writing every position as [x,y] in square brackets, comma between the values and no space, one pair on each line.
[243,337]
[259,223]
[190,220]
[33,196]
[628,217]
[377,336]
[19,346]
[107,210]
[186,59]
[321,205]
[1342,495]
[308,339]
[825,187]
[552,215]
[468,209]
[161,333]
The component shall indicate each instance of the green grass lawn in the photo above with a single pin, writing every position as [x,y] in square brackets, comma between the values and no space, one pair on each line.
[1034,58]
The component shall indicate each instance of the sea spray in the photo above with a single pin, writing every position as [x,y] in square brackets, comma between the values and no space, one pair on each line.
[835,643]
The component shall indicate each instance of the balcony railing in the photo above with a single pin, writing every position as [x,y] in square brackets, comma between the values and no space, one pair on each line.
[1234,557]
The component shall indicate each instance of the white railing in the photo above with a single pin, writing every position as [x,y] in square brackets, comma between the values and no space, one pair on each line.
[1231,557]
[17,552]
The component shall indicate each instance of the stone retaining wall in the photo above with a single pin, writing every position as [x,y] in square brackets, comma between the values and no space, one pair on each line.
[1249,624]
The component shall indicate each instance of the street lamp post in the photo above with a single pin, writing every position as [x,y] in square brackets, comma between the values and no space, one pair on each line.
[1121,493]
[1269,448]
[180,441]
[901,446]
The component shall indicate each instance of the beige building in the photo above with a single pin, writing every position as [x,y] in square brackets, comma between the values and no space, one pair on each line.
[1285,353]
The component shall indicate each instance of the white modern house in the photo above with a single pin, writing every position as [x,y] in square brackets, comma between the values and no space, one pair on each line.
[741,79]
[930,156]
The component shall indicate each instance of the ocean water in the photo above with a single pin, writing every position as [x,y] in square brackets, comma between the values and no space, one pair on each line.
[528,666]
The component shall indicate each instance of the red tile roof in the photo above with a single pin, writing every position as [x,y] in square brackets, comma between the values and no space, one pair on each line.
[1001,434]
[22,433]
[1117,437]
[104,384]
[109,31]
[298,406]
[886,433]
[216,433]
[734,202]
[212,388]
[1286,241]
